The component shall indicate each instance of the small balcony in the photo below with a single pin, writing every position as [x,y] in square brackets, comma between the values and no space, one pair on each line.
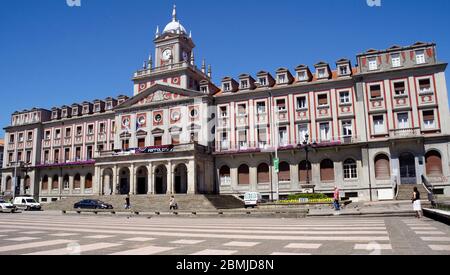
[405,133]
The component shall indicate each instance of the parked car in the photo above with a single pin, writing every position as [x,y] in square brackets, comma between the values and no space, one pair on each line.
[26,203]
[252,199]
[92,204]
[6,207]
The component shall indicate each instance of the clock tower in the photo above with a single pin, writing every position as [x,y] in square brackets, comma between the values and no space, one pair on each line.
[174,63]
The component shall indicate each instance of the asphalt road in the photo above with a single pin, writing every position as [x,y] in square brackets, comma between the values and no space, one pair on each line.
[51,233]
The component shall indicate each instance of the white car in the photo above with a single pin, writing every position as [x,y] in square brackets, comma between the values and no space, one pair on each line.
[26,203]
[6,207]
[252,199]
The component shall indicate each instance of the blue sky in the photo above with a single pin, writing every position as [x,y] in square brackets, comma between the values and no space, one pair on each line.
[52,54]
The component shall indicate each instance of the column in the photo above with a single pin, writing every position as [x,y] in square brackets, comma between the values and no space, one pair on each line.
[71,185]
[115,180]
[106,185]
[169,178]
[150,185]
[97,182]
[191,177]
[82,183]
[60,184]
[22,186]
[132,180]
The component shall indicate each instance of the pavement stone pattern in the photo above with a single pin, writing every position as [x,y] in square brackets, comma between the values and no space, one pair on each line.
[54,234]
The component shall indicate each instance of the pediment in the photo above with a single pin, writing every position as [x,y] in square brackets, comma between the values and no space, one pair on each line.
[125,135]
[158,93]
[157,131]
[175,129]
[141,133]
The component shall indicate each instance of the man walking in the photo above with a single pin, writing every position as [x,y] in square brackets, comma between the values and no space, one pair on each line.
[336,198]
[127,202]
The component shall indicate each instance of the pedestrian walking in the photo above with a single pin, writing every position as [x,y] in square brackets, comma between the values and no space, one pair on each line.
[417,205]
[127,202]
[173,203]
[336,198]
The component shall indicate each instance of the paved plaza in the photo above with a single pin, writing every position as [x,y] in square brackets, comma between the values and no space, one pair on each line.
[50,233]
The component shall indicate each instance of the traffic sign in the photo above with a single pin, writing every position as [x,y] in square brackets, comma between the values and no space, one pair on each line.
[276,164]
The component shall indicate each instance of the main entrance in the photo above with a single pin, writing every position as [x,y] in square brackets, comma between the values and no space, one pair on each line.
[161,180]
[124,184]
[181,179]
[407,169]
[142,176]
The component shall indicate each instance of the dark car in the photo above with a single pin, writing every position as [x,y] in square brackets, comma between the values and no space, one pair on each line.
[92,204]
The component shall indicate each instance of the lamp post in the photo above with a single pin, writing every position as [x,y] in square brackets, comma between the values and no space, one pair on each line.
[16,165]
[307,145]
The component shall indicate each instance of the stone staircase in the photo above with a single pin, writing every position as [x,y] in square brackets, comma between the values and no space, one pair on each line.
[157,202]
[405,192]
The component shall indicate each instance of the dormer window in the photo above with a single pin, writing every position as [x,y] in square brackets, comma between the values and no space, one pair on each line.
[244,84]
[262,81]
[302,76]
[55,115]
[344,70]
[86,109]
[396,61]
[373,64]
[420,57]
[282,79]
[227,87]
[64,113]
[321,73]
[97,108]
[75,111]
[204,89]
[108,106]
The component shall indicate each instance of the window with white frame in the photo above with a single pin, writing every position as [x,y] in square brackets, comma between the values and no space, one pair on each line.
[21,138]
[322,100]
[344,97]
[282,136]
[244,84]
[378,124]
[399,88]
[262,137]
[347,128]
[343,70]
[321,73]
[403,120]
[373,64]
[108,105]
[396,61]
[429,121]
[375,91]
[224,143]
[90,130]
[350,169]
[301,103]
[282,79]
[281,105]
[420,57]
[223,111]
[57,133]
[47,135]
[425,86]
[79,130]
[302,132]
[242,139]
[226,87]
[325,134]
[242,110]
[262,81]
[261,107]
[302,76]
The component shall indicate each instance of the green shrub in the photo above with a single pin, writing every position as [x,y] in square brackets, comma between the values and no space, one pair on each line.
[315,196]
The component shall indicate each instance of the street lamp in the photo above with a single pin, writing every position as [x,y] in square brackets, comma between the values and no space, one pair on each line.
[307,146]
[16,165]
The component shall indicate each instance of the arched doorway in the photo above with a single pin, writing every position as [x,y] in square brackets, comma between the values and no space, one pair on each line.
[181,185]
[433,162]
[124,182]
[27,187]
[107,182]
[8,184]
[141,179]
[161,180]
[407,169]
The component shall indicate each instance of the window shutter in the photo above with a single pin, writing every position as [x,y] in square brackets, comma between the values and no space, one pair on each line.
[263,173]
[323,100]
[428,115]
[302,173]
[327,170]
[375,91]
[434,164]
[244,178]
[382,167]
[262,135]
[285,172]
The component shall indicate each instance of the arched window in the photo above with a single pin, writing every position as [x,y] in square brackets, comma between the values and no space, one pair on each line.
[225,175]
[327,170]
[88,181]
[55,183]
[263,173]
[45,183]
[243,175]
[285,172]
[66,182]
[434,164]
[350,169]
[304,171]
[9,184]
[77,181]
[382,167]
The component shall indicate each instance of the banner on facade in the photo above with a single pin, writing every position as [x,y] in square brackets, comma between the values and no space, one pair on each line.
[157,149]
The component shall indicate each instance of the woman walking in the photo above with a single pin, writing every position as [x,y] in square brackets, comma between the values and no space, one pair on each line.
[417,205]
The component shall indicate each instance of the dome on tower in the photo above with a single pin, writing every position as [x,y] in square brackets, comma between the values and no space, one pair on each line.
[174,26]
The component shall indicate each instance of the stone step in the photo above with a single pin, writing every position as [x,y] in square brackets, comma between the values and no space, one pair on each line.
[405,192]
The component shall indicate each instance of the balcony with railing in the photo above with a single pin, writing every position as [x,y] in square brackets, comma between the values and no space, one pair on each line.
[152,150]
[146,72]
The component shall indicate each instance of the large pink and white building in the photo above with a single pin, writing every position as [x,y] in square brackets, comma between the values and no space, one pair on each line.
[372,126]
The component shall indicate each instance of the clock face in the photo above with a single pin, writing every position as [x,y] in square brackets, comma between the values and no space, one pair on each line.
[167,54]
